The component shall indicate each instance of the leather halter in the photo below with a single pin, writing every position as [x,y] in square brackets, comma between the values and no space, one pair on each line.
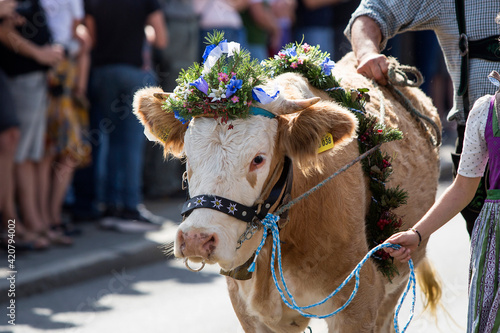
[239,211]
[279,195]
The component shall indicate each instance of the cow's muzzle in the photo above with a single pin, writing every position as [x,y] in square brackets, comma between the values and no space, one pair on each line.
[194,244]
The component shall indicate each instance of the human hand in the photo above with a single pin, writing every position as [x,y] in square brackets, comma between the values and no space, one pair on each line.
[7,8]
[49,55]
[409,241]
[374,66]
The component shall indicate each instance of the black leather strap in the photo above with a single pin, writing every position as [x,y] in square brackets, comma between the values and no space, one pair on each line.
[221,204]
[463,45]
[237,210]
[486,48]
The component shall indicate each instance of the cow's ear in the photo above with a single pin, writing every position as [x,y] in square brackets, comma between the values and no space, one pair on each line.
[162,125]
[301,133]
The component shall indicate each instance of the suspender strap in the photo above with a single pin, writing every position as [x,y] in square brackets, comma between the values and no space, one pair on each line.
[463,45]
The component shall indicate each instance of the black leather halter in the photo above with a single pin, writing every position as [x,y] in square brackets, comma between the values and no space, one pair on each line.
[241,212]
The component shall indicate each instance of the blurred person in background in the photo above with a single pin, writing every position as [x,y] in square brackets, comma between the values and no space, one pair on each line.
[26,54]
[313,23]
[284,11]
[162,177]
[116,28]
[262,28]
[66,147]
[221,15]
[9,127]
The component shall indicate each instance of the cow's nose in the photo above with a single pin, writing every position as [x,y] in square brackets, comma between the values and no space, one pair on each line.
[197,244]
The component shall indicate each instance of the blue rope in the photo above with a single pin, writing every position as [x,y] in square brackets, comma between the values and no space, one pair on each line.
[270,224]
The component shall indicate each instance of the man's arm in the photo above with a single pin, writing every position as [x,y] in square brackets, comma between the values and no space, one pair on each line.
[265,19]
[315,4]
[157,21]
[49,55]
[366,37]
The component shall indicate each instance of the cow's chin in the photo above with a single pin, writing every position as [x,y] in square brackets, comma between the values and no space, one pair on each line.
[237,257]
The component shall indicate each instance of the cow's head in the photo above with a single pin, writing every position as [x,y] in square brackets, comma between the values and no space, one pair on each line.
[235,160]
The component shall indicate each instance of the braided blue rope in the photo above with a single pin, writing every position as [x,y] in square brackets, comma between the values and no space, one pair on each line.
[270,224]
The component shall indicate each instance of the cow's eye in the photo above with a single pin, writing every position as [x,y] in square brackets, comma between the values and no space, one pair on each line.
[258,159]
[257,162]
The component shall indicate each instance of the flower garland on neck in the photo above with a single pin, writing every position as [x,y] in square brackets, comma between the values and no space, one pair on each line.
[224,86]
[316,66]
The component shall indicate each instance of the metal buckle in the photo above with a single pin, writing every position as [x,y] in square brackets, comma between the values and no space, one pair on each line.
[184,180]
[463,44]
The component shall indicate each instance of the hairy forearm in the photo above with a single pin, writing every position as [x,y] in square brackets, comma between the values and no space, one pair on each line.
[365,36]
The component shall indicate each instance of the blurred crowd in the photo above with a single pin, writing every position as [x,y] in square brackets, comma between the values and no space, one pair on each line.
[70,148]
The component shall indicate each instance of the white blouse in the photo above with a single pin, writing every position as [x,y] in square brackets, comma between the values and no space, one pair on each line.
[475,152]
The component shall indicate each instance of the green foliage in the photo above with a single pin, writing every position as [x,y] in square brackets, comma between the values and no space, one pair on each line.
[202,90]
[381,221]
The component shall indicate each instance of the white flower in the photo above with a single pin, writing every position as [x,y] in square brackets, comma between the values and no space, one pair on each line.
[218,94]
[180,92]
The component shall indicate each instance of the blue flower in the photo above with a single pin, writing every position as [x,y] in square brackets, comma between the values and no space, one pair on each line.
[291,52]
[201,85]
[233,85]
[327,66]
[179,117]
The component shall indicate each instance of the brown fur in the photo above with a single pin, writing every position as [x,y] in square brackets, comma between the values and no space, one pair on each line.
[161,124]
[325,237]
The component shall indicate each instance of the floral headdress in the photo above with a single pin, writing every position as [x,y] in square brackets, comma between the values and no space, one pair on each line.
[224,86]
[304,59]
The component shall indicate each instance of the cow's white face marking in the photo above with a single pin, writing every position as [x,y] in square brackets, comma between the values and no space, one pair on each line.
[232,163]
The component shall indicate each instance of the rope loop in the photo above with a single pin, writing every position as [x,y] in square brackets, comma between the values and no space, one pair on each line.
[270,224]
[398,77]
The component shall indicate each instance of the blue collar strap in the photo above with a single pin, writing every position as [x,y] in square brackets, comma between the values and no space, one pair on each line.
[255,111]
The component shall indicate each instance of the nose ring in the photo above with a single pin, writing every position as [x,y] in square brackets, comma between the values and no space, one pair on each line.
[186,260]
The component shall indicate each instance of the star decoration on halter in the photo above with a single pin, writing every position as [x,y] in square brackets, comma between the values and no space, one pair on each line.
[232,208]
[200,201]
[224,86]
[217,203]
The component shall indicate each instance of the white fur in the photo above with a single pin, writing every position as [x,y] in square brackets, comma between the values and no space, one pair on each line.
[220,159]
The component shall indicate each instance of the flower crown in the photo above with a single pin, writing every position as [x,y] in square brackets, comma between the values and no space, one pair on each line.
[304,59]
[224,86]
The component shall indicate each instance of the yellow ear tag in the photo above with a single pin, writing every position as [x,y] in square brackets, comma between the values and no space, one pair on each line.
[326,143]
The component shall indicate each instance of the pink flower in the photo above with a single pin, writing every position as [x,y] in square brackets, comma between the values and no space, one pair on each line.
[300,61]
[281,54]
[294,64]
[223,77]
[235,99]
[306,47]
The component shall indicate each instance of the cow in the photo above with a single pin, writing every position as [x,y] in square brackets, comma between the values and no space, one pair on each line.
[324,236]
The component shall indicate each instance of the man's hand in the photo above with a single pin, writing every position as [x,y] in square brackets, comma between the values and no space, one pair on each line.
[374,66]
[366,37]
[49,55]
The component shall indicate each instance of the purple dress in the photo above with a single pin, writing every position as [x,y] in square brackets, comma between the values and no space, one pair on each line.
[484,292]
